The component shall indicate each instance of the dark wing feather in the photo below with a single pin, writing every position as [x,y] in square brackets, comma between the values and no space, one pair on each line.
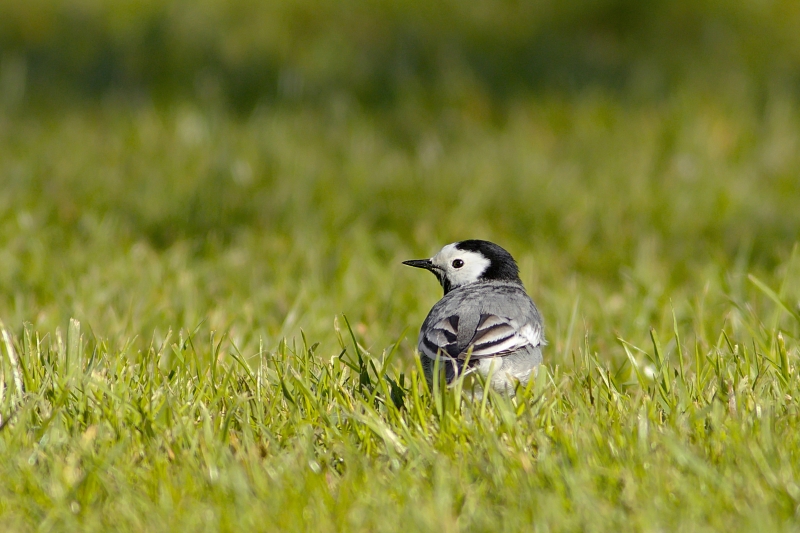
[441,337]
[493,336]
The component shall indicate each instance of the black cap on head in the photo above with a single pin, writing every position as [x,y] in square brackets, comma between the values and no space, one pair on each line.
[501,267]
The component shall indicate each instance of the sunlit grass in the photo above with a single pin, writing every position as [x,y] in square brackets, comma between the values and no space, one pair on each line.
[175,354]
[191,433]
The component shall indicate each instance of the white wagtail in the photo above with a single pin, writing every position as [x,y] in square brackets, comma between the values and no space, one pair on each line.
[485,321]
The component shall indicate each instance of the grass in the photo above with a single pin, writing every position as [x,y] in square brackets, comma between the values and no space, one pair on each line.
[246,53]
[206,325]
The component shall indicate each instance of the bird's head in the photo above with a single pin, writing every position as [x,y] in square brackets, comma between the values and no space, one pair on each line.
[465,262]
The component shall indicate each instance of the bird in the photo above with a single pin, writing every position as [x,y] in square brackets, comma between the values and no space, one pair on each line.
[485,321]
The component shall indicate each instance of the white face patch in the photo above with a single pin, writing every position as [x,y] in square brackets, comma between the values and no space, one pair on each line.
[460,267]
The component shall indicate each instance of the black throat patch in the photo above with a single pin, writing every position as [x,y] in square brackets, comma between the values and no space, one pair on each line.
[443,281]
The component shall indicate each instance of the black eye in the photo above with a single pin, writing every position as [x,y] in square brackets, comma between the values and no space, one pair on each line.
[458,263]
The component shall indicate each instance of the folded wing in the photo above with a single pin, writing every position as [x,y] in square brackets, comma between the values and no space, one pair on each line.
[494,336]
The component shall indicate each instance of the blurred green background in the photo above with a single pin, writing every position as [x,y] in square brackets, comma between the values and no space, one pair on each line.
[246,53]
[264,166]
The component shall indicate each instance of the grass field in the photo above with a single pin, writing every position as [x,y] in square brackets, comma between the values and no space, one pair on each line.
[210,379]
[205,324]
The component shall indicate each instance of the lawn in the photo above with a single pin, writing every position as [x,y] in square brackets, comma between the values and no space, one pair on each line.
[205,324]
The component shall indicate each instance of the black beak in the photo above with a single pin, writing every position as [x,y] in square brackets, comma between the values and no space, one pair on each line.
[420,263]
[428,265]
